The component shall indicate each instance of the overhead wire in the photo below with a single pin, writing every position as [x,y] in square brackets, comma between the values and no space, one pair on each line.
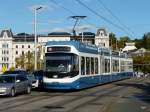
[102,17]
[126,27]
[71,12]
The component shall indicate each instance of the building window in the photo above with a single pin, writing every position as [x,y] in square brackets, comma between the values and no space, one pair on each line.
[28,46]
[16,46]
[4,58]
[4,45]
[22,46]
[22,52]
[16,52]
[7,52]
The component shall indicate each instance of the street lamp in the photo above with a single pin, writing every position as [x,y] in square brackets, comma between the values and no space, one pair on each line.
[35,35]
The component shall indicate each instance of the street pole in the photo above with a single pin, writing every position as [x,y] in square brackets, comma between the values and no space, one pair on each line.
[35,41]
[82,36]
[35,36]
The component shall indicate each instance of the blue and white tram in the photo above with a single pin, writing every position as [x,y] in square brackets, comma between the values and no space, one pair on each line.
[75,65]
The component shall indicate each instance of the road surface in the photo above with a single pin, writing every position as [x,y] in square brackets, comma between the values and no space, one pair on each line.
[131,95]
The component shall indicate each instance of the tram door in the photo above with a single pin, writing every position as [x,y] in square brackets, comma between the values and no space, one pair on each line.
[101,58]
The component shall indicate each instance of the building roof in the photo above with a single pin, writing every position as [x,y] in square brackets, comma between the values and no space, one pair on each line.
[21,37]
[23,34]
[87,34]
[101,29]
[129,47]
[59,34]
[8,31]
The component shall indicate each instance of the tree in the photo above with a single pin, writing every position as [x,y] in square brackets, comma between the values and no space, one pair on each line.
[141,63]
[146,41]
[113,41]
[20,61]
[26,61]
[12,68]
[138,43]
[122,41]
[29,65]
[40,56]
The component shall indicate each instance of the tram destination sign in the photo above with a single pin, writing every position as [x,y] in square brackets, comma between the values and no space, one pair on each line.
[57,49]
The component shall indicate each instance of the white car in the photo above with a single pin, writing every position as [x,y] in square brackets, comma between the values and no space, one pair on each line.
[33,80]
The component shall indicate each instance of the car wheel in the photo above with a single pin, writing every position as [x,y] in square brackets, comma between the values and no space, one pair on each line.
[12,94]
[28,90]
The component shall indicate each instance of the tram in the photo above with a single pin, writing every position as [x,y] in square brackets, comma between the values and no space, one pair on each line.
[76,65]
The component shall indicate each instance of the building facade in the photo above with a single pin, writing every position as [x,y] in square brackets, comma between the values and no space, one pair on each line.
[102,38]
[14,46]
[6,49]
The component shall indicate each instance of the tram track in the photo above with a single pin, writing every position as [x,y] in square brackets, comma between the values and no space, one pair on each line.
[116,90]
[7,105]
[20,103]
[27,99]
[92,94]
[73,97]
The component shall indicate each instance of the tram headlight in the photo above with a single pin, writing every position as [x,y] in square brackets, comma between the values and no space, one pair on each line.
[66,77]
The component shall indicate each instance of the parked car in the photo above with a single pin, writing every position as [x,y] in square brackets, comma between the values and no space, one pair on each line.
[30,77]
[23,72]
[39,77]
[11,84]
[33,80]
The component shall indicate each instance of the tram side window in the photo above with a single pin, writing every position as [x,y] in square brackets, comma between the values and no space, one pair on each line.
[76,65]
[122,66]
[115,65]
[82,66]
[107,65]
[87,65]
[92,65]
[96,65]
[103,66]
[129,66]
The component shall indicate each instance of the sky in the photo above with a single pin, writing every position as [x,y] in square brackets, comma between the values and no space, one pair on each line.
[122,17]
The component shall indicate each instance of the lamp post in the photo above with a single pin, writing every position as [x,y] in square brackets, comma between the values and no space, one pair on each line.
[35,35]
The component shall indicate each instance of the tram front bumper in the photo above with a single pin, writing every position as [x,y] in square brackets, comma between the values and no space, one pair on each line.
[56,85]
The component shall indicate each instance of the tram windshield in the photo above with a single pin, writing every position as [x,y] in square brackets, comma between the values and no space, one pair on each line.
[60,65]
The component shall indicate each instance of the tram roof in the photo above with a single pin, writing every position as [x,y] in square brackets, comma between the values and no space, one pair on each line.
[86,48]
[81,47]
